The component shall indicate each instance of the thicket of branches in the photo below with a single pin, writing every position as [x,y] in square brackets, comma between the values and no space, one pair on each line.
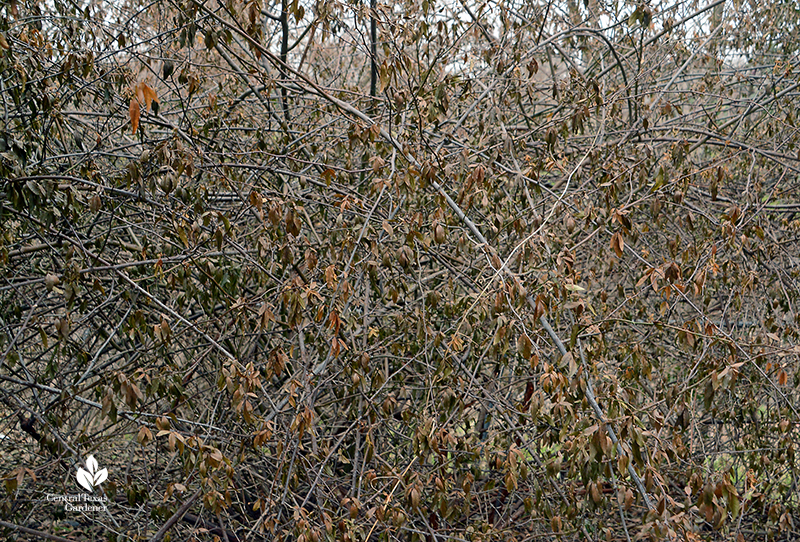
[400,271]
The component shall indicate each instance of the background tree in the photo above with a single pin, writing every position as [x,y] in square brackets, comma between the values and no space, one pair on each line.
[503,270]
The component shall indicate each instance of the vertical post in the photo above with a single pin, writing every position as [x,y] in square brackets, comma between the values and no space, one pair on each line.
[284,20]
[373,51]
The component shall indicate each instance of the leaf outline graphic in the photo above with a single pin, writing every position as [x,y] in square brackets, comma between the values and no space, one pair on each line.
[100,477]
[93,477]
[91,464]
[84,479]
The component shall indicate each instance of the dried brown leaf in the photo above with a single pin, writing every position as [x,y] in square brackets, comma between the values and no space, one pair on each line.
[134,114]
